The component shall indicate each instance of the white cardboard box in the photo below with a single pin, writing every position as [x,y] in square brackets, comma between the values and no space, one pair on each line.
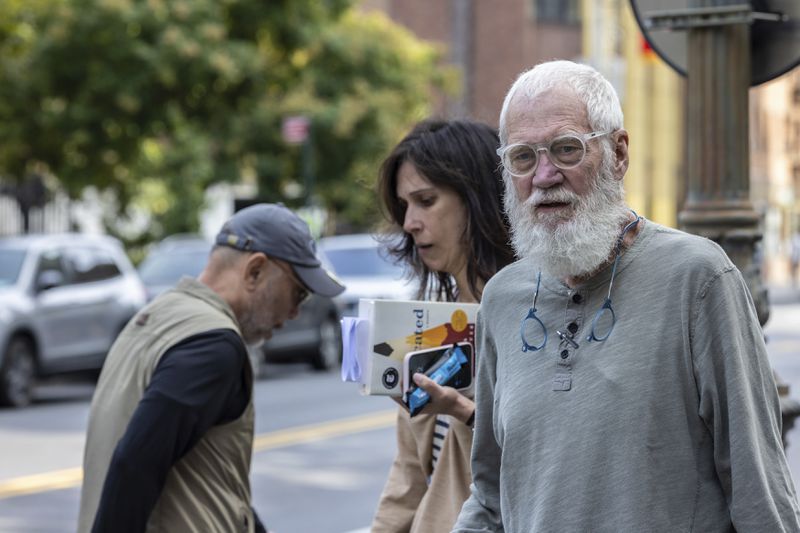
[395,328]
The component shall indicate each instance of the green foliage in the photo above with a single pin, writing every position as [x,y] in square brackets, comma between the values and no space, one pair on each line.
[139,96]
[363,83]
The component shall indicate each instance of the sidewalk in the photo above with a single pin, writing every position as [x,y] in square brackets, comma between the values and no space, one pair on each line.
[783,295]
[783,346]
[782,333]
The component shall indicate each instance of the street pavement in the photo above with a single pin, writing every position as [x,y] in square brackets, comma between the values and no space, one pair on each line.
[783,345]
[321,454]
[298,477]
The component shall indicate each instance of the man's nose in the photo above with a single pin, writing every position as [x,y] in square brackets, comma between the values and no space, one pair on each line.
[546,174]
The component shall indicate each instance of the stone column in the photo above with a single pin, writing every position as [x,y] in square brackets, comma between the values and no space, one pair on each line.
[718,203]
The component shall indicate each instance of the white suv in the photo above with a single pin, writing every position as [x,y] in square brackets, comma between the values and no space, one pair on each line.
[63,300]
[362,264]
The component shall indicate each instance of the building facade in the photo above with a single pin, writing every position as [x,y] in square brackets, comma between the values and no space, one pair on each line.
[653,97]
[775,168]
[491,45]
[490,42]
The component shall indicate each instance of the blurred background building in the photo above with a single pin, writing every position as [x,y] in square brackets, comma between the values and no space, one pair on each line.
[491,46]
[775,167]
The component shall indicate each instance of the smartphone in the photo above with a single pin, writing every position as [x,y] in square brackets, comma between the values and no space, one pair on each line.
[427,360]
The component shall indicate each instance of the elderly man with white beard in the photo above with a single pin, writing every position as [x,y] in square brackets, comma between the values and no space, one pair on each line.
[623,382]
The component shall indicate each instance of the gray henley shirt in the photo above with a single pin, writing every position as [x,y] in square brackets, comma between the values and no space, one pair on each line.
[672,424]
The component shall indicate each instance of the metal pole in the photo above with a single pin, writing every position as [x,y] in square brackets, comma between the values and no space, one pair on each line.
[308,170]
[462,54]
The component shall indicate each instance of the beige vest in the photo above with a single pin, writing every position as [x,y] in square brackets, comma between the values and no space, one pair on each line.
[208,490]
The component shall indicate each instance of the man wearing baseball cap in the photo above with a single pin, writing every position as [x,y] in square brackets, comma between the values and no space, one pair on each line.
[171,424]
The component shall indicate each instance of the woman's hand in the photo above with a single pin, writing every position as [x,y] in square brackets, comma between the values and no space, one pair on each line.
[445,400]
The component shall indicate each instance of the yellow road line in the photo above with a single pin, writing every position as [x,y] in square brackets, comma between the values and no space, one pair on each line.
[325,430]
[72,477]
[59,479]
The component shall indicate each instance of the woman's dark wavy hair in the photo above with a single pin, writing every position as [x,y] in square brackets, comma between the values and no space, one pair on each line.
[459,155]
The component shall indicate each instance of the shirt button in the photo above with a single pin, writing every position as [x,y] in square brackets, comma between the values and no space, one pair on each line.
[577,298]
[564,354]
[572,327]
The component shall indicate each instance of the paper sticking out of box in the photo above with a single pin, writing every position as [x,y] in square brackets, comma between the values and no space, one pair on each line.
[375,342]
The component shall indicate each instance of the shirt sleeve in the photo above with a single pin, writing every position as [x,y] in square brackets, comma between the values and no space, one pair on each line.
[481,511]
[406,485]
[198,383]
[740,406]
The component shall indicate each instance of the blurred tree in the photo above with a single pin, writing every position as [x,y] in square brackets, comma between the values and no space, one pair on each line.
[363,82]
[139,96]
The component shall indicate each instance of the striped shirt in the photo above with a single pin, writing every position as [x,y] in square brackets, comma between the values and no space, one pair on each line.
[439,433]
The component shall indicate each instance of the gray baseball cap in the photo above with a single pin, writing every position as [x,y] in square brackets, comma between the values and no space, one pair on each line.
[277,232]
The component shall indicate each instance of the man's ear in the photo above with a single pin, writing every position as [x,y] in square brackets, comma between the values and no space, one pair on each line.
[255,270]
[620,139]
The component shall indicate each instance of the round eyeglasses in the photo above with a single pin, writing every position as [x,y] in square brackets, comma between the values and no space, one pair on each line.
[533,331]
[532,326]
[565,152]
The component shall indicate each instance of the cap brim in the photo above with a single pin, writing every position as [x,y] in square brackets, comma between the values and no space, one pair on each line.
[319,280]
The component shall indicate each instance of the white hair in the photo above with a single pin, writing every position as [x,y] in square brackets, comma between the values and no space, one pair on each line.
[578,246]
[602,103]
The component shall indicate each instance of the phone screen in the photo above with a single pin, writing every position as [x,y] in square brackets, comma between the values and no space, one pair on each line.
[423,361]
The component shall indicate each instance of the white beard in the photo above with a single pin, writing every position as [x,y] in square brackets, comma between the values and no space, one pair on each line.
[575,246]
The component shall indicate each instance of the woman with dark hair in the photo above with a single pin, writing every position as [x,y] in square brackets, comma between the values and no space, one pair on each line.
[441,188]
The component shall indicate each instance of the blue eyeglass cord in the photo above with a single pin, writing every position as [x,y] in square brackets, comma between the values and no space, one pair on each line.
[531,315]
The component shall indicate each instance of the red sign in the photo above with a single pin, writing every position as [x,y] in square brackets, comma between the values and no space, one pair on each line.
[646,48]
[295,129]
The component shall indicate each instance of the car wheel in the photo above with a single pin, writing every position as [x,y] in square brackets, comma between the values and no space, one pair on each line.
[17,373]
[329,351]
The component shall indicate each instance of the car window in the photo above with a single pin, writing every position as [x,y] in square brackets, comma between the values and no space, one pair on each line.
[168,267]
[362,262]
[88,264]
[51,260]
[10,265]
